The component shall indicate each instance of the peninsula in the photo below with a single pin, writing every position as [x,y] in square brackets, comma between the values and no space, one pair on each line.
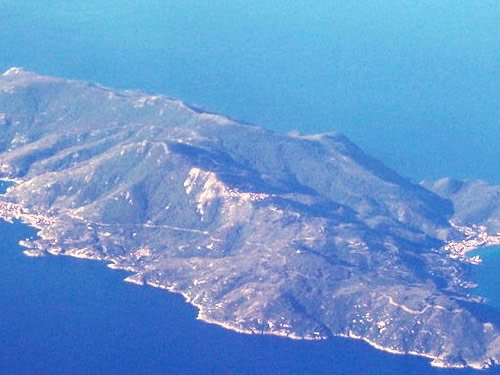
[303,236]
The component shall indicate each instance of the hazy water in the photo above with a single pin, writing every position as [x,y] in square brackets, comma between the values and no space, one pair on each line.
[416,83]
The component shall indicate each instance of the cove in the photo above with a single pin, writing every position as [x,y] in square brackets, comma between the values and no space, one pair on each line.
[486,274]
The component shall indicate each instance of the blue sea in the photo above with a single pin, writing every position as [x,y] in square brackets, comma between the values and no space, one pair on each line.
[62,315]
[486,274]
[413,83]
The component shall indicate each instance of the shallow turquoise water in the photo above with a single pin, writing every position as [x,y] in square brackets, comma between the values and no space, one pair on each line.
[4,185]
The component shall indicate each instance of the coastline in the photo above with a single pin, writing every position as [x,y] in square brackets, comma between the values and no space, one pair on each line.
[486,286]
[11,211]
[476,237]
[436,361]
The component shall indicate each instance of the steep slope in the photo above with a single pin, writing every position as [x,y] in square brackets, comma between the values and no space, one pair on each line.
[475,202]
[304,236]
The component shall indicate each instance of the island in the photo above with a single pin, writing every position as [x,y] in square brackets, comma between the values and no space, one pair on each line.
[303,236]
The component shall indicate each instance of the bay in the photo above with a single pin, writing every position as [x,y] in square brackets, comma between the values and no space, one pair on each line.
[487,274]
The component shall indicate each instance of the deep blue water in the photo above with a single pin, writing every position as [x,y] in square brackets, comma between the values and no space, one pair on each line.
[61,315]
[416,83]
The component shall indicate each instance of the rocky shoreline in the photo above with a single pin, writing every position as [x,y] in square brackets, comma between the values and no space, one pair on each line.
[299,236]
[473,238]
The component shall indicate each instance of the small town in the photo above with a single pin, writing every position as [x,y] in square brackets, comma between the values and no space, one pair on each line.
[476,236]
[12,211]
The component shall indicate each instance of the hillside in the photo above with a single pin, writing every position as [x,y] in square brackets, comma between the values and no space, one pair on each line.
[302,236]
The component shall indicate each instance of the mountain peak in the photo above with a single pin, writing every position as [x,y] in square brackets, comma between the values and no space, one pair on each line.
[14,71]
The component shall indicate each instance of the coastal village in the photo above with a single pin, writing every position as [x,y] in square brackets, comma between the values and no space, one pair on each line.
[476,236]
[12,211]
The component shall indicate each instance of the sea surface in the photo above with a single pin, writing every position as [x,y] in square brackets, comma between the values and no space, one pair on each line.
[413,83]
[487,275]
[60,315]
